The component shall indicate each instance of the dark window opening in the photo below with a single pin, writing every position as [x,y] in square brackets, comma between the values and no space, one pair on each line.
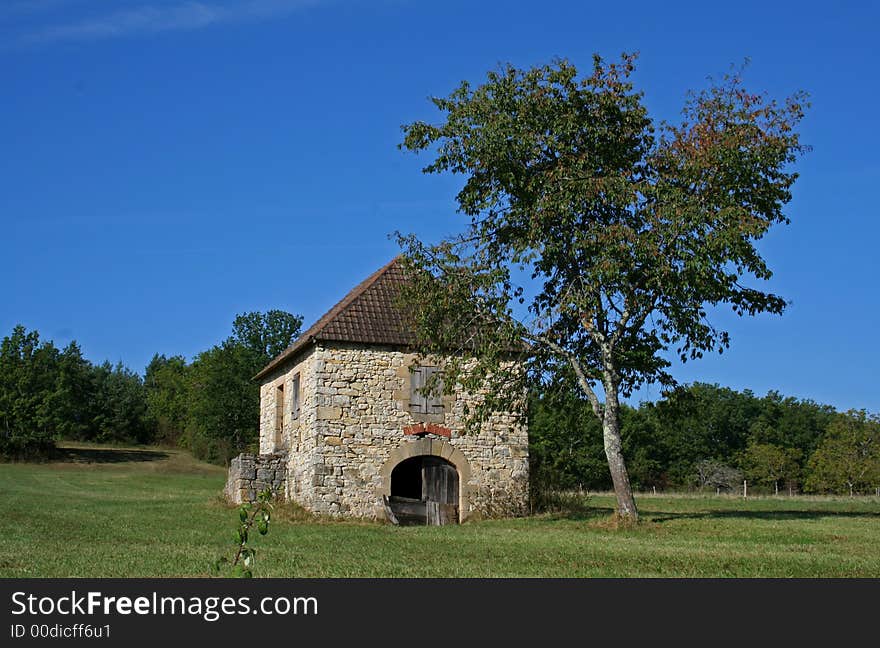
[279,414]
[295,397]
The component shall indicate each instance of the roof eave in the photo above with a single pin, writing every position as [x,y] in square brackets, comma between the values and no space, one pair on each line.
[286,357]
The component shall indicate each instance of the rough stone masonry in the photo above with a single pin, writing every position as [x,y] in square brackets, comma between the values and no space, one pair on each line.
[250,474]
[340,409]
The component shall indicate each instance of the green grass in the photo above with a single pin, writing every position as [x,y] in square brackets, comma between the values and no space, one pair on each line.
[153,512]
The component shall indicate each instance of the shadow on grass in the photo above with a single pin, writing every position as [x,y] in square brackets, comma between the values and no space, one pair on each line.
[591,513]
[106,455]
[663,516]
[576,514]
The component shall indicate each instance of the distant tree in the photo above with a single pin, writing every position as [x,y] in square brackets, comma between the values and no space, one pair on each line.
[615,233]
[28,370]
[848,458]
[120,406]
[561,456]
[224,401]
[791,423]
[714,474]
[166,389]
[643,444]
[267,333]
[67,408]
[703,421]
[767,464]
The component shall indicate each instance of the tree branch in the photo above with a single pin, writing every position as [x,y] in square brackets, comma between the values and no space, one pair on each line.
[582,380]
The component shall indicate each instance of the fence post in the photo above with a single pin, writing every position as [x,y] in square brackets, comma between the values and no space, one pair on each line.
[745,489]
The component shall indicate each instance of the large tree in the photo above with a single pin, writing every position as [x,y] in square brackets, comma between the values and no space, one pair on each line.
[596,235]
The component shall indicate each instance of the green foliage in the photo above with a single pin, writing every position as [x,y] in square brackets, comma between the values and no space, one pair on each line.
[561,456]
[28,371]
[210,406]
[848,457]
[67,408]
[791,423]
[119,407]
[267,334]
[766,464]
[223,402]
[46,395]
[259,513]
[597,237]
[703,422]
[665,441]
[167,390]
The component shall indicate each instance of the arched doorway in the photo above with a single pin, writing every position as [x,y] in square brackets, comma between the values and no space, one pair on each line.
[424,490]
[421,449]
[425,478]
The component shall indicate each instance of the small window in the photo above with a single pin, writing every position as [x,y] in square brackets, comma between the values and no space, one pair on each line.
[294,411]
[279,414]
[420,402]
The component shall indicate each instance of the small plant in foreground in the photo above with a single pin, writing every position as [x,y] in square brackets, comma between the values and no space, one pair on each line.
[259,512]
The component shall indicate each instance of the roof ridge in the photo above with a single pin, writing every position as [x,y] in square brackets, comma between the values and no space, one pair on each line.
[336,311]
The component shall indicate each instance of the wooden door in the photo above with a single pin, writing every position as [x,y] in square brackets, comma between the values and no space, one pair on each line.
[439,481]
[439,493]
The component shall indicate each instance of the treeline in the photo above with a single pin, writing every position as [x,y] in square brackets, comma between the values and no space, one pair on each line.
[48,394]
[209,406]
[212,406]
[698,437]
[708,437]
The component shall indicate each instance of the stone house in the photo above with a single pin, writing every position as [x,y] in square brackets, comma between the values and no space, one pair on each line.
[345,429]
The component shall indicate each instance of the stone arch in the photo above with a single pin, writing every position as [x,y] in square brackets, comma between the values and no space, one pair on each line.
[433,448]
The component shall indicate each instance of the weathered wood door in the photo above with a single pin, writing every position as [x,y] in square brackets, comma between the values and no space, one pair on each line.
[440,491]
[424,490]
[439,481]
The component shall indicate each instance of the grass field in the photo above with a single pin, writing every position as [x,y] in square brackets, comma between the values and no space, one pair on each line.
[152,512]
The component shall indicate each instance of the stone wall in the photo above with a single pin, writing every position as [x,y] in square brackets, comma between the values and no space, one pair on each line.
[363,410]
[293,427]
[353,428]
[250,474]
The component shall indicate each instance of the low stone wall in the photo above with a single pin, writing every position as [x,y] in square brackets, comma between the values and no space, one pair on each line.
[249,474]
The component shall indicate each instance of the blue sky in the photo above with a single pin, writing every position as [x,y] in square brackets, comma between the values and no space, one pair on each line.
[166,164]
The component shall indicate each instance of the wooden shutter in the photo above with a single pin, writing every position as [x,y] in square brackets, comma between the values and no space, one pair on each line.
[434,400]
[421,403]
[417,402]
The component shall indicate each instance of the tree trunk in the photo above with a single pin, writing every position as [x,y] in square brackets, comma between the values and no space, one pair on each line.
[626,504]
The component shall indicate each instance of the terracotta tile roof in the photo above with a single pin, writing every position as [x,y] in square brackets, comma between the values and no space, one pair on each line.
[368,314]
